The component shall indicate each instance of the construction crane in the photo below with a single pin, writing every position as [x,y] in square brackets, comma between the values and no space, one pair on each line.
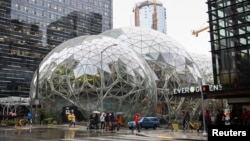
[196,32]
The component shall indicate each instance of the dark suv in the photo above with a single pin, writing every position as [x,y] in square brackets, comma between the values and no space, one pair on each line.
[146,122]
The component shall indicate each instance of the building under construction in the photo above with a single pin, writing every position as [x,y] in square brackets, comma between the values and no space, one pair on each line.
[151,14]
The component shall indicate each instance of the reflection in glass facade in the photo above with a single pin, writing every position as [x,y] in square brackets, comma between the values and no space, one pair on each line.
[230,40]
[79,70]
[30,29]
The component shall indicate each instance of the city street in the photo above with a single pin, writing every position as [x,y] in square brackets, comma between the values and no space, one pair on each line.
[63,133]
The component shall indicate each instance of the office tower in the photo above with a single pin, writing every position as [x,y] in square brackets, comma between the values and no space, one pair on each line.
[230,47]
[151,14]
[29,29]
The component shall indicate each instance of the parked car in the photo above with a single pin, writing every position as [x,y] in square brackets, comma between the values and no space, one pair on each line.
[146,122]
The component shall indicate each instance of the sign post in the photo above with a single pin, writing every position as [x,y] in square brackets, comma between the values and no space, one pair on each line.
[204,88]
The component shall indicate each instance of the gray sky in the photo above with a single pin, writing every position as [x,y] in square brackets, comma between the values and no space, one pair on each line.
[183,16]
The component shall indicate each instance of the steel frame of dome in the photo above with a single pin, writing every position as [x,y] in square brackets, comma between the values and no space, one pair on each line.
[147,66]
[171,63]
[71,74]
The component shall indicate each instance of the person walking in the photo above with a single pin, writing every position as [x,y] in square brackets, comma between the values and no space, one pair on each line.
[73,120]
[208,120]
[200,119]
[107,121]
[96,121]
[220,117]
[112,121]
[42,116]
[118,120]
[29,117]
[70,117]
[137,124]
[245,116]
[186,121]
[102,121]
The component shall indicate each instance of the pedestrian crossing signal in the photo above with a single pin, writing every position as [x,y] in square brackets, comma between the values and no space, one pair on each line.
[205,88]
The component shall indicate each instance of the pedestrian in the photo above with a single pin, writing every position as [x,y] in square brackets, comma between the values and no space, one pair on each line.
[42,118]
[73,120]
[137,124]
[29,117]
[220,117]
[200,119]
[102,121]
[112,121]
[186,120]
[70,119]
[96,121]
[208,120]
[245,116]
[107,121]
[118,120]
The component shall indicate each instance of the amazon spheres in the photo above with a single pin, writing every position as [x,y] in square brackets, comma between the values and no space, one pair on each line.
[128,70]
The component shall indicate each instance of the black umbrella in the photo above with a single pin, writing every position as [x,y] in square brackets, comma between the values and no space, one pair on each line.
[119,113]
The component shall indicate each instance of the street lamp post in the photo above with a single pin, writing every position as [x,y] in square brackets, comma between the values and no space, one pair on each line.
[203,113]
[102,75]
[36,96]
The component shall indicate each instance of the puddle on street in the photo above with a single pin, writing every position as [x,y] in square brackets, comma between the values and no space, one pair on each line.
[52,133]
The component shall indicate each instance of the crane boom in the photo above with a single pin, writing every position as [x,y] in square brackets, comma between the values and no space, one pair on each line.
[196,32]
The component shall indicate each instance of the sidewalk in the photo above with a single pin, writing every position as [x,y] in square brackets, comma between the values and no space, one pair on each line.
[158,133]
[178,135]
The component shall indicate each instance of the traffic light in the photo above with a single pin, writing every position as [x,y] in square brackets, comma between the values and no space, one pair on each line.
[205,88]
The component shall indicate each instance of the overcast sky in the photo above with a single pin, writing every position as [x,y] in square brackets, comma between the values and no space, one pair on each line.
[183,16]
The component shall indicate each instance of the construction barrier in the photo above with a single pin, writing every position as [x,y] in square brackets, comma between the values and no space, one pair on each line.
[175,127]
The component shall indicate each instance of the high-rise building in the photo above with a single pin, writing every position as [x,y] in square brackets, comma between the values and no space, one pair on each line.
[29,29]
[151,14]
[230,47]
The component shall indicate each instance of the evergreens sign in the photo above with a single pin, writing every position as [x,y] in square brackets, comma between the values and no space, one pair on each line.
[198,89]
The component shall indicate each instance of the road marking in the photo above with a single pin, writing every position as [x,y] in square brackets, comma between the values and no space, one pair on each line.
[165,137]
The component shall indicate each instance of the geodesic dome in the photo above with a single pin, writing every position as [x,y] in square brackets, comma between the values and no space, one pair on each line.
[170,62]
[90,70]
[204,62]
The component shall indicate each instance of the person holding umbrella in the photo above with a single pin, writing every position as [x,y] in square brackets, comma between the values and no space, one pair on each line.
[96,120]
[102,120]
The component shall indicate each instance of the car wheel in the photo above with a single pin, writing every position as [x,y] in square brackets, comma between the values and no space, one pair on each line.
[154,127]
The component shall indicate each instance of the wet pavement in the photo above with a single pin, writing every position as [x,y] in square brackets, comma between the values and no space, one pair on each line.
[63,132]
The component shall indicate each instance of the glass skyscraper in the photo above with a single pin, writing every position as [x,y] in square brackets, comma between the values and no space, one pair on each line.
[29,29]
[230,45]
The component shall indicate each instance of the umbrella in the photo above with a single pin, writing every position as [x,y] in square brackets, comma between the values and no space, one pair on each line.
[96,112]
[119,113]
